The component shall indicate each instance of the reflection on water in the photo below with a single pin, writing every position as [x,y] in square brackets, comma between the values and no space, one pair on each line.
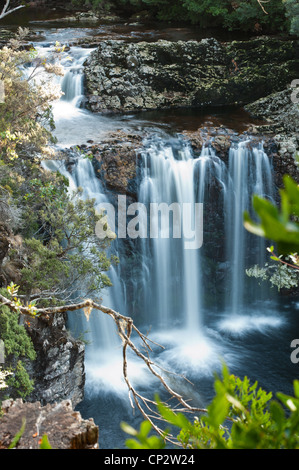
[124,28]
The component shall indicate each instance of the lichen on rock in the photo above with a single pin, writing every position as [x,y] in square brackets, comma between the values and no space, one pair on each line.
[121,76]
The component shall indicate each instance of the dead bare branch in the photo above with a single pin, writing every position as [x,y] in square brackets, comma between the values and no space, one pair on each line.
[5,10]
[260,2]
[125,327]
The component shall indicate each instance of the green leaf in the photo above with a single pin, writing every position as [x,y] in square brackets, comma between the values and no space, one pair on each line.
[274,224]
[218,410]
[253,227]
[296,388]
[133,444]
[277,414]
[262,205]
[291,402]
[18,436]
[45,444]
[176,419]
[128,429]
[145,429]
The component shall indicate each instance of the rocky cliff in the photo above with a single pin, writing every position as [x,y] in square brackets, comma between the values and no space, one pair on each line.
[58,370]
[124,76]
[281,114]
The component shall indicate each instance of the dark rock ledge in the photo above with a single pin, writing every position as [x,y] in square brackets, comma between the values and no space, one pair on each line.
[124,77]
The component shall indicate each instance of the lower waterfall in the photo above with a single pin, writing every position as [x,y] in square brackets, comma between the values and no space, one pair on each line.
[186,303]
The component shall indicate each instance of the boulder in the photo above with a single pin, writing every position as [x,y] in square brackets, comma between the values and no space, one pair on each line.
[63,426]
[115,161]
[121,76]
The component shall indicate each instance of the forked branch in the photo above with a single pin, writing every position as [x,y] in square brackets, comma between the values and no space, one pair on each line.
[126,328]
[5,11]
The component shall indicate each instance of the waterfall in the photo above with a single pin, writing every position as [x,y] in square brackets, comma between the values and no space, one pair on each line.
[195,230]
[250,173]
[174,274]
[99,331]
[72,84]
[175,279]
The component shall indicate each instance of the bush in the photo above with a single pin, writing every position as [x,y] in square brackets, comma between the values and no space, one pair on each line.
[241,416]
[18,346]
[244,15]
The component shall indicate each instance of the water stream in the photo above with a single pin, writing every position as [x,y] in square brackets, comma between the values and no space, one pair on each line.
[196,300]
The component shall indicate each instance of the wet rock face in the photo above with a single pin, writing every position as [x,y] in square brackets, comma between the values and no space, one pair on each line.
[282,114]
[125,77]
[280,110]
[115,162]
[64,427]
[58,370]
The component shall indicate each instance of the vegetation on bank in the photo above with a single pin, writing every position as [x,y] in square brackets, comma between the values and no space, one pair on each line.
[48,245]
[273,16]
[241,416]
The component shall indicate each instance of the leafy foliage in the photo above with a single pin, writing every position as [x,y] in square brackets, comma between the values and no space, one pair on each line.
[241,416]
[142,439]
[18,436]
[282,225]
[25,111]
[67,252]
[18,347]
[58,249]
[48,244]
[20,382]
[281,276]
[245,15]
[16,340]
[44,443]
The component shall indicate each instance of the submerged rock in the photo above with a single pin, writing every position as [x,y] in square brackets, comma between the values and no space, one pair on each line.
[122,76]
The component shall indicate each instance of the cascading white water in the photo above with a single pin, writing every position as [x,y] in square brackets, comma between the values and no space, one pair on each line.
[175,278]
[174,274]
[82,175]
[75,125]
[72,83]
[250,173]
[103,355]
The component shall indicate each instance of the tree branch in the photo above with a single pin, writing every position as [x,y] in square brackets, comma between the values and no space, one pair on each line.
[260,2]
[125,327]
[5,10]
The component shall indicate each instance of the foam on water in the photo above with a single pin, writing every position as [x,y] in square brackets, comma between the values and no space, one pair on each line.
[193,353]
[104,373]
[240,325]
